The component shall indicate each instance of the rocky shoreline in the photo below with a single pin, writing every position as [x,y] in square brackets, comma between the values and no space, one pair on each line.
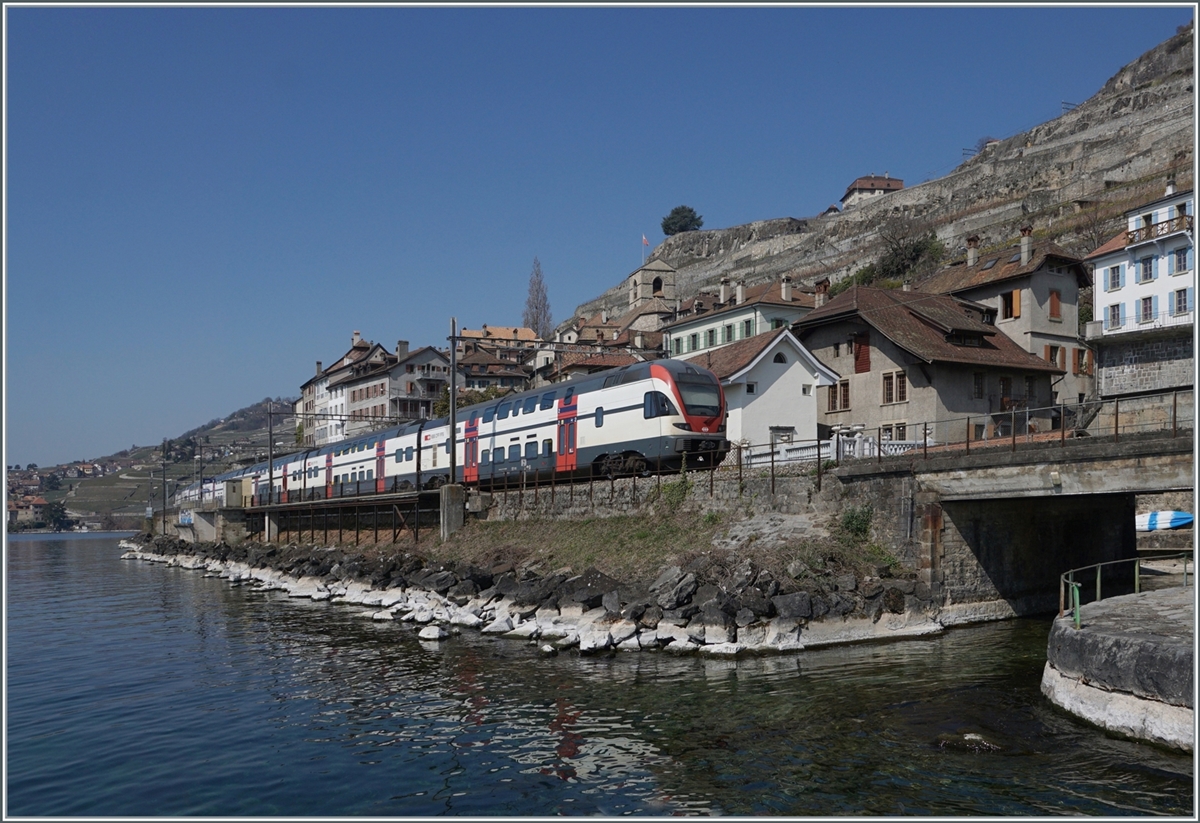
[684,610]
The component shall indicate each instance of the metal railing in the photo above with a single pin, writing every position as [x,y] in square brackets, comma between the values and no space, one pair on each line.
[1137,323]
[1182,222]
[1068,587]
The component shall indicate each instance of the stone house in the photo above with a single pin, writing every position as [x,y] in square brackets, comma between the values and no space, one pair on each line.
[907,359]
[323,406]
[417,381]
[772,385]
[709,321]
[1033,290]
[1144,300]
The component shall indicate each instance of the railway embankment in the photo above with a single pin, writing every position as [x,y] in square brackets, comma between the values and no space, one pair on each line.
[664,578]
[1128,668]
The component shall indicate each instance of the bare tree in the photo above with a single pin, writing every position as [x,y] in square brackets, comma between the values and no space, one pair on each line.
[537,304]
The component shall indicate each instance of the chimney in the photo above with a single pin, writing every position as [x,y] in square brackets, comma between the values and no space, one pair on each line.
[1026,245]
[821,297]
[318,367]
[1170,186]
[906,286]
[724,290]
[785,288]
[401,349]
[741,292]
[639,341]
[355,338]
[604,317]
[698,306]
[972,249]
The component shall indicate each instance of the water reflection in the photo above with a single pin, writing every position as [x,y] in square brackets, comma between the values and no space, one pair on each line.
[292,707]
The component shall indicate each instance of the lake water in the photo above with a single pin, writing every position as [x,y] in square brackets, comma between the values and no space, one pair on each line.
[139,690]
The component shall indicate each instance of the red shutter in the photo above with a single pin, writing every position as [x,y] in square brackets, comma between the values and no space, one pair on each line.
[1046,356]
[1062,357]
[862,353]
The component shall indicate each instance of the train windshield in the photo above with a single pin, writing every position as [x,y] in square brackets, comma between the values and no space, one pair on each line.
[701,395]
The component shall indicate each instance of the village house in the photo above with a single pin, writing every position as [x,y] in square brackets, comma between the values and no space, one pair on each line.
[1144,300]
[772,385]
[1033,290]
[907,359]
[709,321]
[868,188]
[573,365]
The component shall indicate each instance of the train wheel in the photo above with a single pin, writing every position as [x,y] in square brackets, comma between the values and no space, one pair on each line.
[636,464]
[611,465]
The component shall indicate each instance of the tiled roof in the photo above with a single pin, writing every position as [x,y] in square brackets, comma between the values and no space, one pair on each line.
[577,361]
[1116,244]
[999,266]
[519,333]
[731,359]
[920,323]
[873,182]
[764,293]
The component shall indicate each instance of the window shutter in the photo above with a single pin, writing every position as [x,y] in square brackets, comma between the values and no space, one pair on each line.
[1121,278]
[1016,302]
[1154,268]
[1122,309]
[1046,355]
[1105,318]
[1191,265]
[1190,299]
[1154,306]
[1171,263]
[1089,361]
[1062,358]
[862,353]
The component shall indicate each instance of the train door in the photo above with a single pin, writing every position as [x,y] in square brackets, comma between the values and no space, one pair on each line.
[471,449]
[283,494]
[380,485]
[328,475]
[568,410]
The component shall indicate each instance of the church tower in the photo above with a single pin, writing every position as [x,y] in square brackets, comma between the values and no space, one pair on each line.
[654,279]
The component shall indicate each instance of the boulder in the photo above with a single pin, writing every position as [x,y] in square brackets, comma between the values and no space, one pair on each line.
[797,605]
[678,594]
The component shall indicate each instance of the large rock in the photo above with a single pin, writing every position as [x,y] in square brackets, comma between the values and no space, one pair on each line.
[798,605]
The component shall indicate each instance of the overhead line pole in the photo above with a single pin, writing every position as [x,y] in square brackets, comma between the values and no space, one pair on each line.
[453,398]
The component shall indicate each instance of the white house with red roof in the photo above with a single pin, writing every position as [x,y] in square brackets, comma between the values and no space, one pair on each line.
[771,384]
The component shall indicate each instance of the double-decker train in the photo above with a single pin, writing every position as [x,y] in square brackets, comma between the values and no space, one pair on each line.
[637,419]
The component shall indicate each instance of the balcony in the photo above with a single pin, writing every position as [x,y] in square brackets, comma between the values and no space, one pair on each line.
[1096,330]
[1156,230]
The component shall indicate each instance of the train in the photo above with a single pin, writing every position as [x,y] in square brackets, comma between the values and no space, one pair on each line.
[639,419]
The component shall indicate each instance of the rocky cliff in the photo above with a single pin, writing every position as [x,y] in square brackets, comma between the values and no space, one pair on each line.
[1070,178]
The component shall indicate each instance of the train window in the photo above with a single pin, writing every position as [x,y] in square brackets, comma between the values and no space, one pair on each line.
[399,455]
[531,449]
[353,477]
[408,453]
[612,380]
[531,404]
[485,457]
[548,400]
[656,404]
[514,452]
[503,412]
[599,416]
[474,418]
[547,447]
[446,446]
[370,474]
[569,396]
[498,455]
[489,414]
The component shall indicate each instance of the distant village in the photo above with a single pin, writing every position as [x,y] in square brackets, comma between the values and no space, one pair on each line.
[984,335]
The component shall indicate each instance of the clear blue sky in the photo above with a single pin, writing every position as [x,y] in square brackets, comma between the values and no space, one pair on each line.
[202,202]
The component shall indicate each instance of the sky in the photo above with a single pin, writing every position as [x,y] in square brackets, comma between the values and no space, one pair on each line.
[202,202]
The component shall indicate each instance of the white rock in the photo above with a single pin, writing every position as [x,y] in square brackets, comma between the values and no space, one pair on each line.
[622,630]
[498,626]
[383,615]
[723,649]
[433,633]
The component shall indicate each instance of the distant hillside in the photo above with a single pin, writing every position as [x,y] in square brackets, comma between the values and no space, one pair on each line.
[1070,178]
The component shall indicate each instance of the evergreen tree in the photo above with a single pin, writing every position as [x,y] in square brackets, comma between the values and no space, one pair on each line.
[681,219]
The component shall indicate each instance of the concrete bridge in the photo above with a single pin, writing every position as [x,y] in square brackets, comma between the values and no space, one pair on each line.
[990,531]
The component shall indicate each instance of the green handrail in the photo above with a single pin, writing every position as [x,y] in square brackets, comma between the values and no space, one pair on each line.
[1066,581]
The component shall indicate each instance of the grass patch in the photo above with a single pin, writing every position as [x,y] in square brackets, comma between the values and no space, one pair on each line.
[626,548]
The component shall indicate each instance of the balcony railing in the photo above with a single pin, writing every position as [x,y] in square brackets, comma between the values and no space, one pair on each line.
[1138,323]
[1180,223]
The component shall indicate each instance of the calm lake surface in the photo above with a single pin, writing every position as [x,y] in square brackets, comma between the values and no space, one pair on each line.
[138,690]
